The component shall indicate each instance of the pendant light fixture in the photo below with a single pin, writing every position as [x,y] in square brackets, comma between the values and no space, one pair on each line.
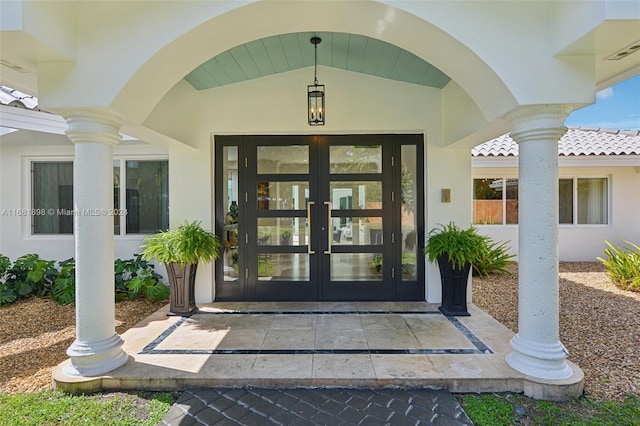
[315,92]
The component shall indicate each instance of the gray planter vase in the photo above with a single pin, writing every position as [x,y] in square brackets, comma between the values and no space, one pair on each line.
[182,282]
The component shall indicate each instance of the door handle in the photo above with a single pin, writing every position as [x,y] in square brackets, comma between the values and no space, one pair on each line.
[309,204]
[329,228]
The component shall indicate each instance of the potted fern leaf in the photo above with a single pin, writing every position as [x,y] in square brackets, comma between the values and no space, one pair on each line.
[454,249]
[181,250]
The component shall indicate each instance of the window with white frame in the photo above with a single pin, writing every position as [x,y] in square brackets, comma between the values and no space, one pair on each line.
[52,197]
[140,196]
[582,201]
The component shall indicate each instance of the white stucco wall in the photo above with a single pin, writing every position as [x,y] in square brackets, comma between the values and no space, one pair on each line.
[356,104]
[584,242]
[16,153]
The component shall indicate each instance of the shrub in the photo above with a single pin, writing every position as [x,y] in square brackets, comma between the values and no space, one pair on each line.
[494,257]
[136,277]
[64,288]
[623,265]
[30,275]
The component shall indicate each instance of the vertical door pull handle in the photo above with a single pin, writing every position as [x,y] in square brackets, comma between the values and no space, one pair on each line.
[329,228]
[309,204]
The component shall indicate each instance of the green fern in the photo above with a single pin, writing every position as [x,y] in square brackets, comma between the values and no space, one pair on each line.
[460,245]
[187,244]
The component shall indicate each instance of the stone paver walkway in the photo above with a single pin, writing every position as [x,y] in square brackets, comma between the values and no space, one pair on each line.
[290,407]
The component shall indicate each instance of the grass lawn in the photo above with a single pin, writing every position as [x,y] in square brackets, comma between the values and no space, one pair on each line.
[514,409]
[48,407]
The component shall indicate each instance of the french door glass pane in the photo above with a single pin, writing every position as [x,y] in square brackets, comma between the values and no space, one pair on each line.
[282,195]
[287,159]
[230,198]
[346,195]
[282,231]
[355,159]
[408,219]
[356,267]
[487,201]
[357,231]
[283,267]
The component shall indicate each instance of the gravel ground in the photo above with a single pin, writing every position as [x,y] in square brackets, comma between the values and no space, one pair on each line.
[35,334]
[599,325]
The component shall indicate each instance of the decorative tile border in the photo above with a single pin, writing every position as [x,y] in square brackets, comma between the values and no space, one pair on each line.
[481,348]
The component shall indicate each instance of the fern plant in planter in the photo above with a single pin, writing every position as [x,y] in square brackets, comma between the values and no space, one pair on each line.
[454,249]
[181,250]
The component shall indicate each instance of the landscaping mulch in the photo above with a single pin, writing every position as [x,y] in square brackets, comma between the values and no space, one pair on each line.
[599,325]
[36,333]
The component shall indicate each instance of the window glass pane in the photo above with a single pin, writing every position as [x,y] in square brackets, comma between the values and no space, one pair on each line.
[511,201]
[487,201]
[52,191]
[283,267]
[407,212]
[565,191]
[283,159]
[356,267]
[355,159]
[282,195]
[230,195]
[592,201]
[117,220]
[147,196]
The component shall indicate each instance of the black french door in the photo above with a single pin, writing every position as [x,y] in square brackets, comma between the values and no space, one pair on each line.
[320,217]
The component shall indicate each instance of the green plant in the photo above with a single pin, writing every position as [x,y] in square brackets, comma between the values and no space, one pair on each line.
[623,265]
[187,244]
[408,264]
[64,287]
[28,275]
[136,277]
[460,245]
[376,263]
[7,295]
[494,258]
[32,275]
[265,267]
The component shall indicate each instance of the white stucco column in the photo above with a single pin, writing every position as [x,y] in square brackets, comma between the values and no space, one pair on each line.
[537,350]
[97,348]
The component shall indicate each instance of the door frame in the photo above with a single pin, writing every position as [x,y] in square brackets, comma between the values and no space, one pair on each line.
[245,288]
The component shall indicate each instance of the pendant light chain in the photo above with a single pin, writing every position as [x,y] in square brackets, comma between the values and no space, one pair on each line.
[315,70]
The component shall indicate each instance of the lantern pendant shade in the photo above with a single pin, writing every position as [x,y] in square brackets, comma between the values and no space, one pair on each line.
[315,104]
[315,91]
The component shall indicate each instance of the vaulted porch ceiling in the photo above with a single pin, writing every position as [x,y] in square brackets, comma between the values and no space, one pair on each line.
[287,52]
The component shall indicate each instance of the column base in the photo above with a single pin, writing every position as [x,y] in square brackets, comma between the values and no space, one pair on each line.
[539,360]
[95,358]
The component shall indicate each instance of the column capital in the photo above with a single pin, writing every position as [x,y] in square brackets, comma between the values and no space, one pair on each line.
[98,125]
[538,122]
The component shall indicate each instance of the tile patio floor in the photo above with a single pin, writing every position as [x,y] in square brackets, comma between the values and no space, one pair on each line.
[312,344]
